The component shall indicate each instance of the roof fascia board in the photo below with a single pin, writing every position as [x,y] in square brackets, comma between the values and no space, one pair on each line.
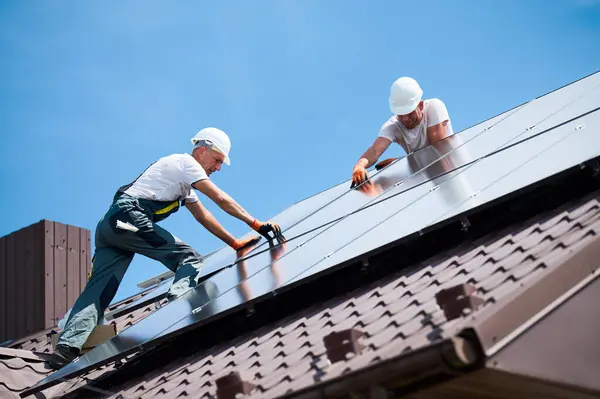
[445,358]
[559,346]
[515,311]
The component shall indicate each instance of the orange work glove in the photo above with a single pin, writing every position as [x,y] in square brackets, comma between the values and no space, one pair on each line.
[264,229]
[384,163]
[238,245]
[359,175]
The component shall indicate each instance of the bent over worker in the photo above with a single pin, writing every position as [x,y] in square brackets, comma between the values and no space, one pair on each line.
[130,226]
[416,123]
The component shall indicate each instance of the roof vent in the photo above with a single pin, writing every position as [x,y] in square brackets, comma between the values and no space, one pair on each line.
[455,300]
[339,344]
[231,385]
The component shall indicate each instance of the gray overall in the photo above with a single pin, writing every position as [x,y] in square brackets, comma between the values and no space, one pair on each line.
[129,227]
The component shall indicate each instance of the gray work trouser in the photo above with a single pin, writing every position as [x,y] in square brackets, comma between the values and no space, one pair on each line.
[115,249]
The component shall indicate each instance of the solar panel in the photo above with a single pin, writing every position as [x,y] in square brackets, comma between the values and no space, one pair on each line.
[224,256]
[381,224]
[461,191]
[157,294]
[319,210]
[410,196]
[546,111]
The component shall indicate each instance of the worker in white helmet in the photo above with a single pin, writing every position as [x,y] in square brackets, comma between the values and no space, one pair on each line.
[415,123]
[130,226]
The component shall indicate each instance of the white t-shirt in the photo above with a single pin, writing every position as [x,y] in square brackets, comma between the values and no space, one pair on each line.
[169,179]
[434,112]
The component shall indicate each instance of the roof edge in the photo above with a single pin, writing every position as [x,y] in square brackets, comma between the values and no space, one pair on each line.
[439,361]
[495,329]
[576,342]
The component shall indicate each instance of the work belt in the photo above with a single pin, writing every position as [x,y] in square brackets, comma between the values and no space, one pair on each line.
[155,210]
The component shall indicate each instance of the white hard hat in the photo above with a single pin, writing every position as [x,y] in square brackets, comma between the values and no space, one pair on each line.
[405,95]
[218,138]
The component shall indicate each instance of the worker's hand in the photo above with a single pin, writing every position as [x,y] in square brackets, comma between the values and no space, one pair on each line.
[359,175]
[384,163]
[239,245]
[264,229]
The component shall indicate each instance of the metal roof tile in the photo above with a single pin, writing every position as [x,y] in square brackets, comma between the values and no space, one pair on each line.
[493,281]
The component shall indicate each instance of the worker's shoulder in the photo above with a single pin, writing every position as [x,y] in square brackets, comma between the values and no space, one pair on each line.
[175,157]
[435,106]
[175,161]
[392,120]
[433,102]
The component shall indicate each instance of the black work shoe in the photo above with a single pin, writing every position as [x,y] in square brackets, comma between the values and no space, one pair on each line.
[62,356]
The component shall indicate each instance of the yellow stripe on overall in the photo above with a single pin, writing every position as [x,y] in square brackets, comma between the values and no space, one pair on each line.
[167,209]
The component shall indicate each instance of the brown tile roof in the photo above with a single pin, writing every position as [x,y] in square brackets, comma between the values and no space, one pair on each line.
[21,365]
[37,342]
[19,370]
[397,315]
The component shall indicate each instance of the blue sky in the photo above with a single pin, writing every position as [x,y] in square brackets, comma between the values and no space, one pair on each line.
[92,92]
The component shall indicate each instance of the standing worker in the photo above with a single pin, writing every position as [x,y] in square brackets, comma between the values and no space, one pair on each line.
[129,227]
[416,123]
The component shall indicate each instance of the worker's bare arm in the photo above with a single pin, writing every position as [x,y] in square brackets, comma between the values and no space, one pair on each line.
[206,219]
[437,132]
[368,158]
[223,200]
[372,154]
[227,203]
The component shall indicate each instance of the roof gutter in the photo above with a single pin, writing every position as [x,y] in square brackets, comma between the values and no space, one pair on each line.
[441,360]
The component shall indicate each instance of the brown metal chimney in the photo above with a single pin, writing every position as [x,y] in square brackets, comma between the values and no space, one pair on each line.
[43,268]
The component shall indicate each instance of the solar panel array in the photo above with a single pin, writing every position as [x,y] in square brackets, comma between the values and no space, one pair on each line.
[481,164]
